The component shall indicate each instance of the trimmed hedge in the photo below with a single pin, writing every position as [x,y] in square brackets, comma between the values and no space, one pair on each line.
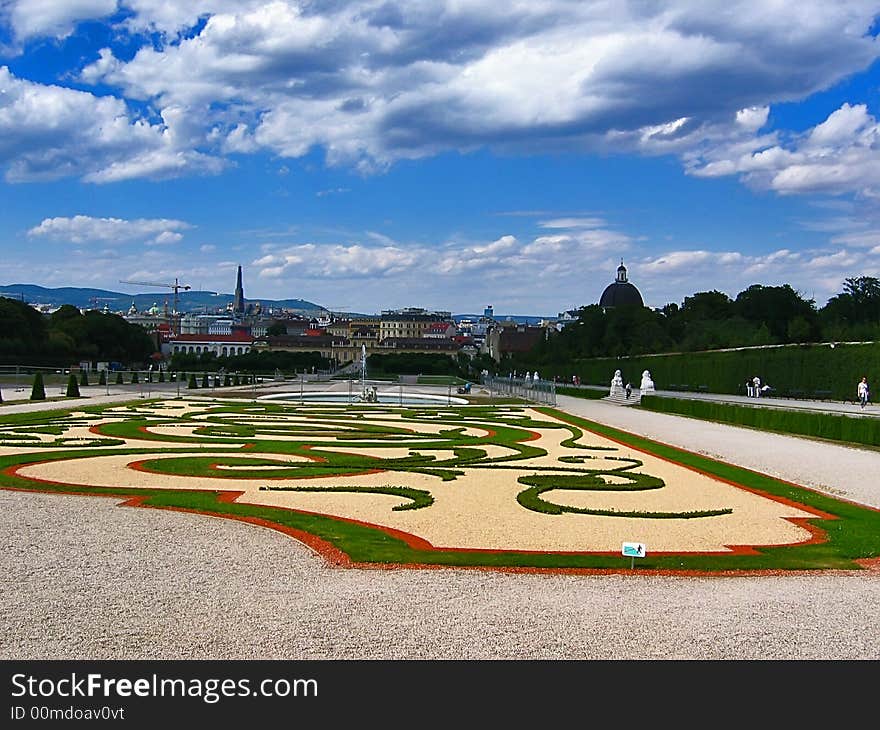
[72,387]
[808,371]
[588,393]
[38,390]
[849,429]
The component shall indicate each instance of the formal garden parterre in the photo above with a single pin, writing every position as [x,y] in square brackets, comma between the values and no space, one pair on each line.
[511,487]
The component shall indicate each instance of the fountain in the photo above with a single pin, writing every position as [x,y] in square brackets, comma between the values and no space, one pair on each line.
[368,395]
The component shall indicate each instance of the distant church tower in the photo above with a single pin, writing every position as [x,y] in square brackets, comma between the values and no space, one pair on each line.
[238,302]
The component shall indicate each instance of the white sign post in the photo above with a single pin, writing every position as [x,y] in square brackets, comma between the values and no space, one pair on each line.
[634,550]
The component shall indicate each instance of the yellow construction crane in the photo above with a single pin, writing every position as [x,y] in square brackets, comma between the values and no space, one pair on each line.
[175,287]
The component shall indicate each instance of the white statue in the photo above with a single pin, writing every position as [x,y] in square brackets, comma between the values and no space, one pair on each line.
[616,384]
[647,385]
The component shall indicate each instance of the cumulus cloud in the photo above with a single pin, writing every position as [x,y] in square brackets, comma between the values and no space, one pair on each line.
[546,273]
[54,18]
[84,229]
[48,131]
[839,155]
[374,82]
[371,82]
[567,256]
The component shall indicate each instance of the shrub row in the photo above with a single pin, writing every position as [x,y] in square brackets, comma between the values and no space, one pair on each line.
[589,393]
[850,429]
[798,370]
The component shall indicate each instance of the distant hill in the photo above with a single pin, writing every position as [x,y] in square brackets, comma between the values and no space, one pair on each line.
[187,301]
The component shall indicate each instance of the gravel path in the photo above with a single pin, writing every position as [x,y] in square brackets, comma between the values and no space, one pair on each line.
[81,578]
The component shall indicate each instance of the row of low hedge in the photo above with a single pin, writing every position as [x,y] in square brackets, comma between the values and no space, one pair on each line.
[590,393]
[850,429]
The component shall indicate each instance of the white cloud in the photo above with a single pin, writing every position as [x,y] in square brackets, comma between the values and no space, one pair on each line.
[573,223]
[372,83]
[167,237]
[840,155]
[83,228]
[57,18]
[47,132]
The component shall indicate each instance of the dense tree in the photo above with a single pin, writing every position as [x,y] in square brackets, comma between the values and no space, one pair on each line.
[68,336]
[254,361]
[706,305]
[775,307]
[854,314]
[22,332]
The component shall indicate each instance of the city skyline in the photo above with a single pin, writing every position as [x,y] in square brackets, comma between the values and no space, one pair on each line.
[375,155]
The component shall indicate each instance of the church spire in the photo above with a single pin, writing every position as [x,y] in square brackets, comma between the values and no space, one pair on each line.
[238,301]
[621,272]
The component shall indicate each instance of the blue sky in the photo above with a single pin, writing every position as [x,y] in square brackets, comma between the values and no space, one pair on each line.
[448,154]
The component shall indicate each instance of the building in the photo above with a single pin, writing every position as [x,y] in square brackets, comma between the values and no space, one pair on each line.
[620,292]
[237,343]
[440,330]
[508,339]
[151,319]
[409,323]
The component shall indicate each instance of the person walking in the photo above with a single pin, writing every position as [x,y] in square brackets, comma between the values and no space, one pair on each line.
[756,381]
[863,392]
[750,389]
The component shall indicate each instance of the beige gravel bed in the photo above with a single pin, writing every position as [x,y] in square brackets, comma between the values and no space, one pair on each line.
[479,510]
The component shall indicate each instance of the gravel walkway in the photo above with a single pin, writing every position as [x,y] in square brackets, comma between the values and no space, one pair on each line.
[81,578]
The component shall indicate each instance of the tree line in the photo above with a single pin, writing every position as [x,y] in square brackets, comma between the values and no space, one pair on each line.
[758,315]
[68,336]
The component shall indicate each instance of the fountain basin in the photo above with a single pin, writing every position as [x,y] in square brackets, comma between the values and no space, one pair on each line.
[386,398]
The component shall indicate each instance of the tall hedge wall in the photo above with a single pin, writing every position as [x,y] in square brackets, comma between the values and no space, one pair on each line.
[797,370]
